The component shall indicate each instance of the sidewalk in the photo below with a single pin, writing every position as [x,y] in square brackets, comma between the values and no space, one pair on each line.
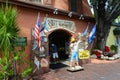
[96,70]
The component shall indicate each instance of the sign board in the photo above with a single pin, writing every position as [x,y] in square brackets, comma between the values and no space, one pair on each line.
[58,23]
[21,41]
[84,54]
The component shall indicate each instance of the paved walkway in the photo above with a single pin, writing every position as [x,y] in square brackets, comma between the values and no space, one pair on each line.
[96,70]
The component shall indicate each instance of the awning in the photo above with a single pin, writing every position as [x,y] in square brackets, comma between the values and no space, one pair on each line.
[116,31]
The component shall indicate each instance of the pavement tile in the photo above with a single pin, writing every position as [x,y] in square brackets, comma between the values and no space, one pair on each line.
[96,70]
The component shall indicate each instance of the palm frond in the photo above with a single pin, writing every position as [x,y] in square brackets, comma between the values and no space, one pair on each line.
[8,28]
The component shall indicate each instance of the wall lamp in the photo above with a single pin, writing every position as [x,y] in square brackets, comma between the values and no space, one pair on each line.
[55,11]
[81,17]
[70,14]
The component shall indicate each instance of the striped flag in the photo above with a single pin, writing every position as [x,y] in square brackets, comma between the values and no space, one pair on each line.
[92,34]
[86,30]
[37,31]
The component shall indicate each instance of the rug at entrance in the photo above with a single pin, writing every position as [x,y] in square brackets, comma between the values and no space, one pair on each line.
[58,66]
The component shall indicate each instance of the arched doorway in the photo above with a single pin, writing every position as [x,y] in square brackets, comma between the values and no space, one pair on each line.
[61,38]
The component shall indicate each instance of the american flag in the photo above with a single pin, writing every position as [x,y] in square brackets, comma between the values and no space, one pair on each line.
[37,31]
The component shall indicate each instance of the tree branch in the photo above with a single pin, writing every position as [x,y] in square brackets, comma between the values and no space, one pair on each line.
[113,12]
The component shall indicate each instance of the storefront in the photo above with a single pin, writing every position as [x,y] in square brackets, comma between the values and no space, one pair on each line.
[59,32]
[61,24]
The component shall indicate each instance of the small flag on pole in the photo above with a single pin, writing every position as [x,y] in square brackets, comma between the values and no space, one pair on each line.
[43,24]
[86,30]
[92,34]
[37,31]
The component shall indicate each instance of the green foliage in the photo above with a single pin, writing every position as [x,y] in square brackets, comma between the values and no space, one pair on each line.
[8,33]
[27,71]
[8,29]
[5,68]
[113,48]
[29,67]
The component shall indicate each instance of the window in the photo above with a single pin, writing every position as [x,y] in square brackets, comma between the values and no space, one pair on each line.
[76,6]
[73,5]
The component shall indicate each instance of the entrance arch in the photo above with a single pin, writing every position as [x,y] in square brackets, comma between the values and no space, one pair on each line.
[62,39]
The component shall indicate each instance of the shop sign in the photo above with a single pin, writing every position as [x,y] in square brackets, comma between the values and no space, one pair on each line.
[21,41]
[84,54]
[57,23]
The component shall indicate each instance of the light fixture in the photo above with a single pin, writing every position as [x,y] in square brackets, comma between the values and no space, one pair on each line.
[55,11]
[70,14]
[81,17]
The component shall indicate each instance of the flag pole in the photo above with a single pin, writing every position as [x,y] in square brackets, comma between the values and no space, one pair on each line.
[39,32]
[38,13]
[37,29]
[91,37]
[46,15]
[86,30]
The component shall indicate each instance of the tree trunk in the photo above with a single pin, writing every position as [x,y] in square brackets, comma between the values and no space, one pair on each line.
[104,15]
[103,29]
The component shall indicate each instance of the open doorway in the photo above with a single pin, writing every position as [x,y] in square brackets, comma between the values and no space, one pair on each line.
[61,38]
